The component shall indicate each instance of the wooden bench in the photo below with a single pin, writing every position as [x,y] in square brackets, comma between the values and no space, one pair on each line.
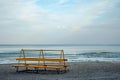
[42,62]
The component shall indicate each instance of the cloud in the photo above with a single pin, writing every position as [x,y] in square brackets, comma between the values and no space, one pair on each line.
[28,13]
[78,15]
[66,18]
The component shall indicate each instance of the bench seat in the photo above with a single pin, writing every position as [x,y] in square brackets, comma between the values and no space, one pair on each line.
[44,65]
[41,66]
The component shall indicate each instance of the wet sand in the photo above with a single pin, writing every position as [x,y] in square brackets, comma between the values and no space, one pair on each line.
[77,71]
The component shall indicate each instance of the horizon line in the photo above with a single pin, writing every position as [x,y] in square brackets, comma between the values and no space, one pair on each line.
[92,44]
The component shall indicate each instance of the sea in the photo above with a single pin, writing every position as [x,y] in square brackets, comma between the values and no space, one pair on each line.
[73,52]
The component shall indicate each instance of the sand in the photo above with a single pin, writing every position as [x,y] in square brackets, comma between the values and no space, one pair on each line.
[77,71]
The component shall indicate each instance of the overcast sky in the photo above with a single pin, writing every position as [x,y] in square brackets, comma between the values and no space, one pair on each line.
[59,21]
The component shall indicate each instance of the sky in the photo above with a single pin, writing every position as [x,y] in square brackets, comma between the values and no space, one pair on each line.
[59,21]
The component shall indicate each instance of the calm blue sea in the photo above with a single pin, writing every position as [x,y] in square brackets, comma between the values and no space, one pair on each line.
[74,53]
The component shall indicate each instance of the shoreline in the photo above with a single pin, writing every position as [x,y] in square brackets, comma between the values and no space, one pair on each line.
[77,71]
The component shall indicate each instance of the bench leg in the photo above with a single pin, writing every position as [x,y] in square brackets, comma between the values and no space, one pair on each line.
[26,68]
[65,69]
[45,69]
[58,70]
[17,69]
[36,69]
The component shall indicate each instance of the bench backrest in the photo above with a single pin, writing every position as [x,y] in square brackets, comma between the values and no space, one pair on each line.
[43,57]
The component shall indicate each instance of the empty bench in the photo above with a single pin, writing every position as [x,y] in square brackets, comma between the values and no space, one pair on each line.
[41,62]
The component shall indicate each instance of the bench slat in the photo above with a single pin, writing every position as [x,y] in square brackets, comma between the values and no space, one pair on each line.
[41,66]
[42,59]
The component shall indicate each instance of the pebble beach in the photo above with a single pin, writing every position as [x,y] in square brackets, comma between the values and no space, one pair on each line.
[76,71]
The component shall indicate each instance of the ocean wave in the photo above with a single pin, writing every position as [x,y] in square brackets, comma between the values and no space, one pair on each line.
[85,55]
[7,57]
[96,55]
[102,54]
[9,54]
